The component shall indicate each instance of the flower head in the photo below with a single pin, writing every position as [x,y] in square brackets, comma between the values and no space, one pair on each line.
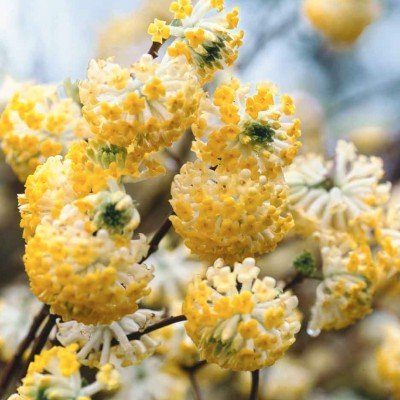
[159,30]
[349,279]
[95,341]
[337,194]
[205,34]
[341,21]
[239,130]
[237,320]
[85,272]
[143,108]
[228,215]
[37,124]
[55,374]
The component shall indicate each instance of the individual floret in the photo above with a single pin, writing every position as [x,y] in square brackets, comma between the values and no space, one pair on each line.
[239,321]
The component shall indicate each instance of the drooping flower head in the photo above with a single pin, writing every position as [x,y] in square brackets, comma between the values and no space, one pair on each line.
[95,341]
[37,124]
[143,108]
[349,279]
[55,374]
[205,34]
[338,193]
[238,321]
[341,21]
[238,129]
[84,270]
[228,215]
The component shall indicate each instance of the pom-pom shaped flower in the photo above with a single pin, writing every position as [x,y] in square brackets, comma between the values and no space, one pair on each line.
[205,34]
[37,124]
[228,215]
[240,130]
[143,108]
[341,21]
[388,360]
[96,347]
[55,374]
[337,194]
[83,271]
[239,321]
[349,279]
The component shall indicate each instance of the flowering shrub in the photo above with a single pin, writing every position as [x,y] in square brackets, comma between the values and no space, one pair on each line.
[111,297]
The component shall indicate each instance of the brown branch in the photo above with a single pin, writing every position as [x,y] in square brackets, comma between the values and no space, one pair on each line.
[195,386]
[152,328]
[158,236]
[194,367]
[154,49]
[14,364]
[296,280]
[41,340]
[255,379]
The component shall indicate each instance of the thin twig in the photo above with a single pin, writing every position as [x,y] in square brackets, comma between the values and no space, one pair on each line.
[24,345]
[158,236]
[296,280]
[255,378]
[41,340]
[195,386]
[152,328]
[154,49]
[194,367]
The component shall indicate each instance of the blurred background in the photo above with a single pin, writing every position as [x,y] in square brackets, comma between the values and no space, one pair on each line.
[342,88]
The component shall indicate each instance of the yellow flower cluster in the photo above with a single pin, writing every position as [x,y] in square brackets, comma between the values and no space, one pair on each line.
[36,124]
[228,215]
[349,279]
[336,194]
[341,21]
[237,320]
[83,267]
[238,130]
[143,108]
[204,33]
[95,341]
[388,360]
[55,374]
